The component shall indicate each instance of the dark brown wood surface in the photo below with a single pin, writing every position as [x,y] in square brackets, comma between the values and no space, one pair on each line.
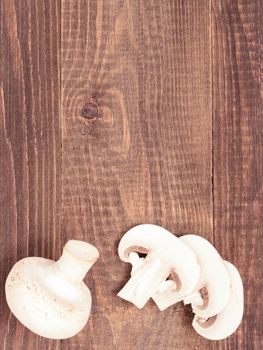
[238,155]
[30,147]
[120,112]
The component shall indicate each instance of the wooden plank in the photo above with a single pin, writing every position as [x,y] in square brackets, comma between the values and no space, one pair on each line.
[30,157]
[238,155]
[140,150]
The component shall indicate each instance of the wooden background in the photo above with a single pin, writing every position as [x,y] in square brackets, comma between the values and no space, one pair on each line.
[120,112]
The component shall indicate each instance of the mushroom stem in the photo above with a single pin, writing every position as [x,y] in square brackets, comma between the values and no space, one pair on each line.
[76,260]
[166,297]
[145,280]
[195,298]
[136,261]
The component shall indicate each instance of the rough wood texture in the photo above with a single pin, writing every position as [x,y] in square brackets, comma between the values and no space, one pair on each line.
[160,118]
[145,156]
[30,160]
[238,155]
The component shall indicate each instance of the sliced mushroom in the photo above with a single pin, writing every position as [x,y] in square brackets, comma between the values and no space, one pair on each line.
[50,297]
[166,255]
[211,293]
[227,321]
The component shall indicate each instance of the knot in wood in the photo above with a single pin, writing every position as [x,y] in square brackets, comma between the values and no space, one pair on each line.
[90,110]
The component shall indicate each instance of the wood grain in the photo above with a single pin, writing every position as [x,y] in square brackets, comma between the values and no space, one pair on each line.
[238,155]
[30,157]
[143,156]
[120,112]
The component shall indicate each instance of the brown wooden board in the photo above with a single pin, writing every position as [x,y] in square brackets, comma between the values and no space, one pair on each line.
[120,112]
[145,156]
[238,155]
[30,148]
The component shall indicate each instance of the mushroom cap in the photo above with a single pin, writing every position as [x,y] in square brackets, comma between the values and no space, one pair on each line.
[45,302]
[213,276]
[155,240]
[228,320]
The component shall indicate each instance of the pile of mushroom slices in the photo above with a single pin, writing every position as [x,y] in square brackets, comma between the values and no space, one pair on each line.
[187,269]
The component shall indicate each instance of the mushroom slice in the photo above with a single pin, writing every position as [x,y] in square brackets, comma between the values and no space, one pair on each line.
[211,293]
[166,254]
[227,321]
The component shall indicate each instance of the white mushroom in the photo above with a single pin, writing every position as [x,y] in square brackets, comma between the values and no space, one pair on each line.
[211,293]
[227,321]
[50,298]
[166,255]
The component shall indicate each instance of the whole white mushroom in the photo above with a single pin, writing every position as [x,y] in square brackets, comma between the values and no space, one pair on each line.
[49,297]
